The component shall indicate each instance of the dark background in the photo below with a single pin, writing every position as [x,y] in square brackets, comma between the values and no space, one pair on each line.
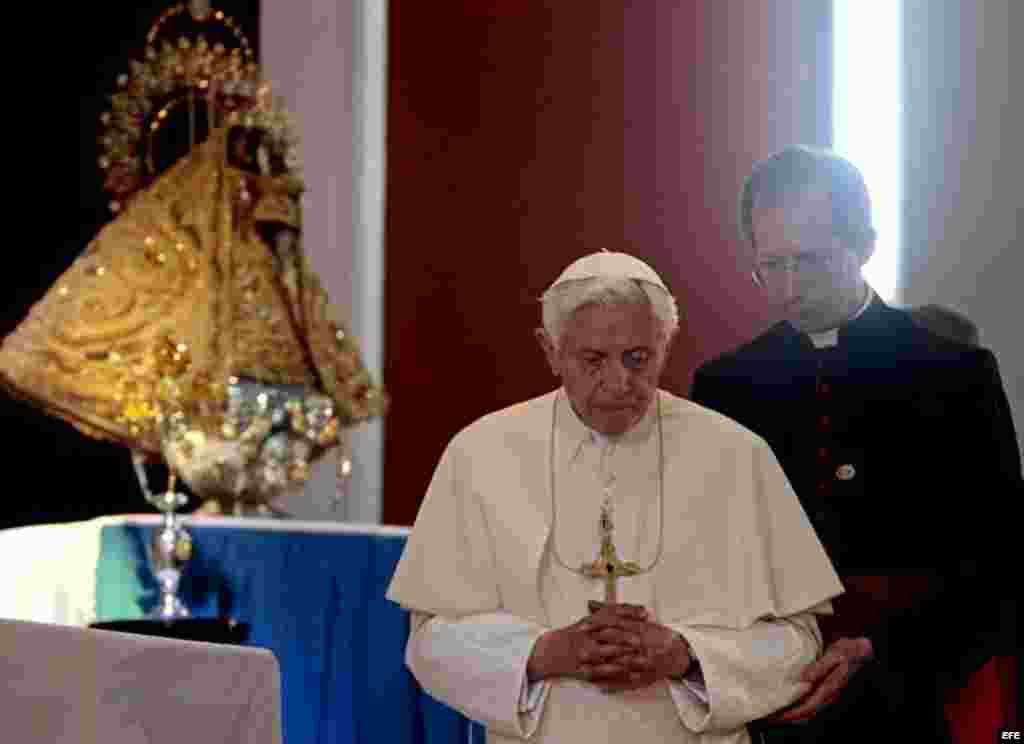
[52,472]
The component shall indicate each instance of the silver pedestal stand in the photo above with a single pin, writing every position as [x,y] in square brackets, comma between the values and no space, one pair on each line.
[169,551]
[171,546]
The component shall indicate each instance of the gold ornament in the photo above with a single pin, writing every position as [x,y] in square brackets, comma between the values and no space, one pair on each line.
[185,75]
[157,336]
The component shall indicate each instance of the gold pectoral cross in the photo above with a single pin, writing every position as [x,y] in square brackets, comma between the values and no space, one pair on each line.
[608,566]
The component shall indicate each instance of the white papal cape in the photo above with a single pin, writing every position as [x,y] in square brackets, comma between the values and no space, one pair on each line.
[741,573]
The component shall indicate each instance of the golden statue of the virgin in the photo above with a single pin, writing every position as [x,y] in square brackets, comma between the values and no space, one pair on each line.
[192,327]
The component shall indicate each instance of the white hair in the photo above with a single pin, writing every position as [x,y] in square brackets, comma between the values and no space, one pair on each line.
[562,300]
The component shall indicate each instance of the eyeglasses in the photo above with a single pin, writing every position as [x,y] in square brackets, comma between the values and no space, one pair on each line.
[809,265]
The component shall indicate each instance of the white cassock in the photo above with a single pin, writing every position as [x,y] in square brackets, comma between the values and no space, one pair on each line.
[741,574]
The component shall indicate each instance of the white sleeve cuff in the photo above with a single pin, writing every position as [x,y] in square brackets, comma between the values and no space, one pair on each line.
[746,673]
[477,665]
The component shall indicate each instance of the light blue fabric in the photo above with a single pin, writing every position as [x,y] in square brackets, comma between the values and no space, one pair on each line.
[317,601]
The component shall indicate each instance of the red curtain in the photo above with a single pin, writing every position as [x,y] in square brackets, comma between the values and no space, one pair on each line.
[987,703]
[523,134]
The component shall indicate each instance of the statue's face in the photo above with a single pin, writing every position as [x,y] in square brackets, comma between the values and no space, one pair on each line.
[610,358]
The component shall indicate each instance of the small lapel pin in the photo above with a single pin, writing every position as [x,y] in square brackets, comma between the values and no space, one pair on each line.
[846,472]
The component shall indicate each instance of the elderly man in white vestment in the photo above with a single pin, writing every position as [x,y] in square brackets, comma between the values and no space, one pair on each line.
[609,562]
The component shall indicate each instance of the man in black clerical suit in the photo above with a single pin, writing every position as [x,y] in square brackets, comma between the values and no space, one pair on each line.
[900,446]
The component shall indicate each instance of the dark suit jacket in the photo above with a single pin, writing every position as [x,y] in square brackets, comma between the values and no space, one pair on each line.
[902,451]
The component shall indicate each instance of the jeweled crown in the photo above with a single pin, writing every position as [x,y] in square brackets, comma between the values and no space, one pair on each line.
[182,74]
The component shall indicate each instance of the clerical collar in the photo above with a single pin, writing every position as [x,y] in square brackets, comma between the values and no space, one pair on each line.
[830,338]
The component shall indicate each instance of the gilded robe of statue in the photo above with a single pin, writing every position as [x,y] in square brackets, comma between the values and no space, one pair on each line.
[198,286]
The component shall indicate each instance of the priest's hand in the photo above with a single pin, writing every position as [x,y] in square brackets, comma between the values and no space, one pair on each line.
[576,651]
[829,675]
[651,651]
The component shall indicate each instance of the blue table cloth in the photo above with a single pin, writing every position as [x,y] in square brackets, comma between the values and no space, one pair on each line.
[314,598]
